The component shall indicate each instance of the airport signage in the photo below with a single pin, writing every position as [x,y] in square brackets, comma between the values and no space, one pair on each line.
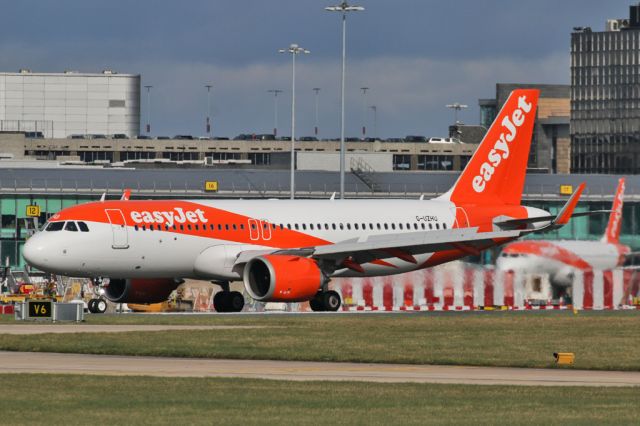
[211,186]
[40,309]
[566,189]
[33,211]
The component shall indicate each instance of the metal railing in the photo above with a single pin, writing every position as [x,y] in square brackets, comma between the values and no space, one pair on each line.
[191,189]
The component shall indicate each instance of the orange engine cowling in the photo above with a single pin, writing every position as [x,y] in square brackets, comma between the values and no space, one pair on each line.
[282,278]
[140,290]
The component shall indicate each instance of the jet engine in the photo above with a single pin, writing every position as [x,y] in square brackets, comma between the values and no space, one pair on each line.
[282,278]
[564,277]
[139,290]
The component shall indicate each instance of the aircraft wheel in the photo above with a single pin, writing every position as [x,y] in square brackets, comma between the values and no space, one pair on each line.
[91,305]
[220,303]
[317,304]
[331,300]
[100,306]
[235,301]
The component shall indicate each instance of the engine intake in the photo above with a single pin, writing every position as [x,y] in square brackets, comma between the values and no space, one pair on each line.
[282,278]
[139,290]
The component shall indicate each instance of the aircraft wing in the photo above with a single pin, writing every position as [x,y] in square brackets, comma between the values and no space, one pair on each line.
[406,246]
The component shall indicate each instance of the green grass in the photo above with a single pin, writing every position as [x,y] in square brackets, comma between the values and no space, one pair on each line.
[58,399]
[600,340]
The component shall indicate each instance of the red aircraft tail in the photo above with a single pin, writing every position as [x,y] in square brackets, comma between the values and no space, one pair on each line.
[612,234]
[496,172]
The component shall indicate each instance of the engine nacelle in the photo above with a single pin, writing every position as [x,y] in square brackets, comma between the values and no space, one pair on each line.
[564,277]
[140,290]
[282,278]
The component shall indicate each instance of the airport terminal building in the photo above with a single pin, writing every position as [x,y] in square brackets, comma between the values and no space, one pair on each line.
[56,188]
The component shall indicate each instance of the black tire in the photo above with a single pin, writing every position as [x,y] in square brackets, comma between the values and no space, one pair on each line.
[220,303]
[91,305]
[100,306]
[235,301]
[331,301]
[316,304]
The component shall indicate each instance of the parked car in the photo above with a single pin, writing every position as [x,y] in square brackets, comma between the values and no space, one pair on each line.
[444,140]
[308,139]
[162,137]
[143,137]
[413,138]
[184,137]
[119,136]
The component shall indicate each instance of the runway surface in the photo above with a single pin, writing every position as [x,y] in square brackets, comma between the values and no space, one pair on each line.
[30,362]
[115,328]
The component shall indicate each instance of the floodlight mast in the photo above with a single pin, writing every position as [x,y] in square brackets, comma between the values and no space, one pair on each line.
[343,8]
[456,107]
[149,87]
[275,109]
[208,124]
[316,90]
[295,50]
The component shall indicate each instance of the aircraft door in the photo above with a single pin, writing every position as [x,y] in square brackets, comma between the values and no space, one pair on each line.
[118,229]
[266,230]
[254,232]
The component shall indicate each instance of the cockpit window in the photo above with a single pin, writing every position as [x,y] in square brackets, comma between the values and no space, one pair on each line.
[83,227]
[71,226]
[55,226]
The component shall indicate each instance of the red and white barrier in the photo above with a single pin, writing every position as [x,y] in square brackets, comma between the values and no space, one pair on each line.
[459,286]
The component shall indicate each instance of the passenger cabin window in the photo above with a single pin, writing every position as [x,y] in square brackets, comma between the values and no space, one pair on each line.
[55,226]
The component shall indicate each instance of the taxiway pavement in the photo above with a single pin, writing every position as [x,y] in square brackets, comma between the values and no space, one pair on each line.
[31,362]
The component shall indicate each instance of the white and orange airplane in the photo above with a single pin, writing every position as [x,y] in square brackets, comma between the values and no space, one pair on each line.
[561,259]
[289,250]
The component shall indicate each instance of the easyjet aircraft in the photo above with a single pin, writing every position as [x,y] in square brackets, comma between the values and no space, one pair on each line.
[289,250]
[561,259]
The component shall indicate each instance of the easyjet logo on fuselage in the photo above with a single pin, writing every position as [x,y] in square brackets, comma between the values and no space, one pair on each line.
[500,150]
[178,215]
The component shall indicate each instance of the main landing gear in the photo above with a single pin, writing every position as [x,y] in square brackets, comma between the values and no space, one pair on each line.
[326,301]
[97,306]
[228,301]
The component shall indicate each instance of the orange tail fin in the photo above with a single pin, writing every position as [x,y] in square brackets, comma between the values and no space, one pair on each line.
[496,172]
[612,234]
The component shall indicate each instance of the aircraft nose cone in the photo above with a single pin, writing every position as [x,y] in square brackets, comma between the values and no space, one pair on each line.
[34,252]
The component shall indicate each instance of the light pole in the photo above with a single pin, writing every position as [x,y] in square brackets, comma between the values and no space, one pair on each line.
[375,121]
[148,109]
[208,127]
[295,50]
[364,111]
[275,108]
[343,8]
[456,107]
[315,128]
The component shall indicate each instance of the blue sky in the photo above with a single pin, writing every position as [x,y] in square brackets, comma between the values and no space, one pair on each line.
[414,55]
